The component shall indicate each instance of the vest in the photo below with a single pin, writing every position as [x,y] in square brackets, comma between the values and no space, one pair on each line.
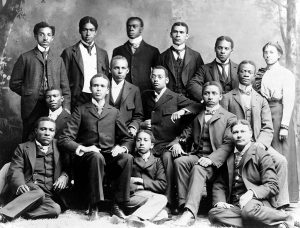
[43,174]
[227,83]
[205,147]
[117,103]
[178,67]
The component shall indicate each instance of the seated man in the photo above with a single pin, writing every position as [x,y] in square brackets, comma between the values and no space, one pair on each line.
[212,143]
[98,138]
[125,96]
[247,104]
[148,181]
[158,106]
[242,193]
[35,177]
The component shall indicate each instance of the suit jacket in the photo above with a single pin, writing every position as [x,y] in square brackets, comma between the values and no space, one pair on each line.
[23,163]
[163,128]
[74,65]
[140,63]
[26,79]
[152,172]
[262,125]
[209,72]
[258,173]
[61,122]
[192,62]
[86,127]
[219,134]
[131,108]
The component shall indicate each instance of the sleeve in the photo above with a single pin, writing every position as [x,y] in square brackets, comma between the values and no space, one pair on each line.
[199,61]
[16,81]
[288,97]
[183,102]
[122,136]
[64,85]
[195,85]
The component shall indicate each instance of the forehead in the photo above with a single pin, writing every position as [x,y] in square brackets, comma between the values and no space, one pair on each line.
[119,62]
[270,48]
[158,72]
[134,22]
[88,25]
[247,66]
[45,30]
[224,43]
[46,124]
[212,88]
[143,135]
[240,127]
[100,81]
[53,92]
[179,28]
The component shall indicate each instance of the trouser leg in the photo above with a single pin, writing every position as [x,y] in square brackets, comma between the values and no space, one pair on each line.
[169,169]
[225,216]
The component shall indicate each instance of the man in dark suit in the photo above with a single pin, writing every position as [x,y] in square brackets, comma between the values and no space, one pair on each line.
[212,143]
[98,137]
[158,105]
[247,104]
[242,192]
[34,72]
[181,61]
[125,96]
[83,60]
[222,70]
[140,55]
[35,177]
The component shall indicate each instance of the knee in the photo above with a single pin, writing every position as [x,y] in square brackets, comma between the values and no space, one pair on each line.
[250,211]
[127,157]
[55,210]
[97,157]
[214,215]
[178,162]
[161,198]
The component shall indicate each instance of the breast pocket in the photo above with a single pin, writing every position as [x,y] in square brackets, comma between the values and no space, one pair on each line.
[169,111]
[130,106]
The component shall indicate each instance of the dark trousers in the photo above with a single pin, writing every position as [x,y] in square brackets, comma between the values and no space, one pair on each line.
[89,172]
[33,204]
[191,180]
[255,214]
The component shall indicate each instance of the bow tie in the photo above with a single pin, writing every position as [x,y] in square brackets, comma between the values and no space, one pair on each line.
[248,93]
[210,112]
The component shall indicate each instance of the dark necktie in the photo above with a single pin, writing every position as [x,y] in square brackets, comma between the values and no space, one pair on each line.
[134,47]
[45,54]
[223,73]
[88,47]
[45,80]
[177,51]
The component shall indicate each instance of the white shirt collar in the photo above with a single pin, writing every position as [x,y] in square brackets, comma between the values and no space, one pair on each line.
[244,150]
[42,49]
[115,85]
[215,108]
[245,88]
[44,149]
[160,94]
[53,115]
[226,62]
[86,44]
[145,156]
[136,40]
[97,104]
[179,47]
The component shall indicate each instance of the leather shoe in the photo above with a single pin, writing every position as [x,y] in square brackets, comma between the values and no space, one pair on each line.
[3,218]
[187,219]
[116,210]
[134,221]
[94,215]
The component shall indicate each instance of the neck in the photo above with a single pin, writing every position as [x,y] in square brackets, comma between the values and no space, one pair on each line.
[118,82]
[100,102]
[270,66]
[158,90]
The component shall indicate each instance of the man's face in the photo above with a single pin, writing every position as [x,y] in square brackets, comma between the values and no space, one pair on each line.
[44,37]
[179,35]
[241,135]
[271,55]
[54,99]
[246,73]
[45,132]
[134,29]
[159,79]
[119,70]
[211,96]
[223,50]
[88,33]
[143,142]
[99,88]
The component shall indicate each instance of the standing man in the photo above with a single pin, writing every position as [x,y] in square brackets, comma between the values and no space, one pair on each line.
[181,61]
[125,96]
[222,70]
[83,60]
[34,72]
[99,140]
[35,177]
[140,55]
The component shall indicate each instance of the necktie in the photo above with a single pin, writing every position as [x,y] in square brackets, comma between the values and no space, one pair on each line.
[245,92]
[45,80]
[177,51]
[89,48]
[223,74]
[134,47]
[44,149]
[45,54]
[156,96]
[99,109]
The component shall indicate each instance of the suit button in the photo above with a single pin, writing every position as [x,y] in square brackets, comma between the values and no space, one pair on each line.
[35,182]
[237,178]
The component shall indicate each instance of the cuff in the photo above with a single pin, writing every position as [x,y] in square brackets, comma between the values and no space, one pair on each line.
[254,193]
[125,149]
[77,152]
[186,110]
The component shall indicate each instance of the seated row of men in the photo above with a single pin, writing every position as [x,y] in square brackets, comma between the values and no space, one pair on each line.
[195,154]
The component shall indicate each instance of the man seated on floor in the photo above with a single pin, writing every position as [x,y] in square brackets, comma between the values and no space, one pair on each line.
[243,191]
[212,144]
[35,177]
[148,182]
[100,142]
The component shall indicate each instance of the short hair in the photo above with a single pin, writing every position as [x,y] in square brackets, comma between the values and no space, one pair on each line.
[43,24]
[221,38]
[274,44]
[41,119]
[241,121]
[100,75]
[53,88]
[135,18]
[247,62]
[213,83]
[180,23]
[149,132]
[117,57]
[161,68]
[87,19]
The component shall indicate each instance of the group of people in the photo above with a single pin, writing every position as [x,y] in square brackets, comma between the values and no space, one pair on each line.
[158,130]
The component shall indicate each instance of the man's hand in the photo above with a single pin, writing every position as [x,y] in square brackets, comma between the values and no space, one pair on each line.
[136,180]
[61,183]
[260,145]
[245,198]
[148,124]
[177,150]
[117,150]
[203,161]
[22,189]
[223,205]
[87,149]
[283,134]
[132,131]
[177,115]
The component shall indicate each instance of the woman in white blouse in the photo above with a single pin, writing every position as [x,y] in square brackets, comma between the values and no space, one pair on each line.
[278,87]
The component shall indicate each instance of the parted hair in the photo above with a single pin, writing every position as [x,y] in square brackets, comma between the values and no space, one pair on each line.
[247,62]
[241,121]
[180,23]
[135,18]
[221,38]
[43,24]
[274,44]
[212,83]
[100,75]
[87,19]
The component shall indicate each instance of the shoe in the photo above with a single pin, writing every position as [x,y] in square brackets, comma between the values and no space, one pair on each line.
[94,215]
[116,210]
[116,220]
[297,223]
[3,218]
[187,219]
[134,221]
[283,225]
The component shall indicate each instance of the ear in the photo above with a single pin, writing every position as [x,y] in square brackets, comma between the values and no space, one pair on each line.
[62,98]
[152,145]
[167,80]
[187,37]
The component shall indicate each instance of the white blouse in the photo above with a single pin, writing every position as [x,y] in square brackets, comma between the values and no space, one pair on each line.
[278,83]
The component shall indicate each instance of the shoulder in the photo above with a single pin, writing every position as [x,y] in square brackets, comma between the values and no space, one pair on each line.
[150,47]
[192,51]
[119,48]
[233,64]
[70,48]
[227,115]
[101,50]
[134,88]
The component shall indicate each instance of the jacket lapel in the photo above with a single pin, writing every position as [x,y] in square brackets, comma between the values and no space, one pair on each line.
[150,161]
[214,72]
[126,91]
[38,55]
[233,74]
[93,110]
[100,62]
[237,98]
[56,158]
[187,59]
[169,61]
[163,99]
[77,56]
[31,153]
